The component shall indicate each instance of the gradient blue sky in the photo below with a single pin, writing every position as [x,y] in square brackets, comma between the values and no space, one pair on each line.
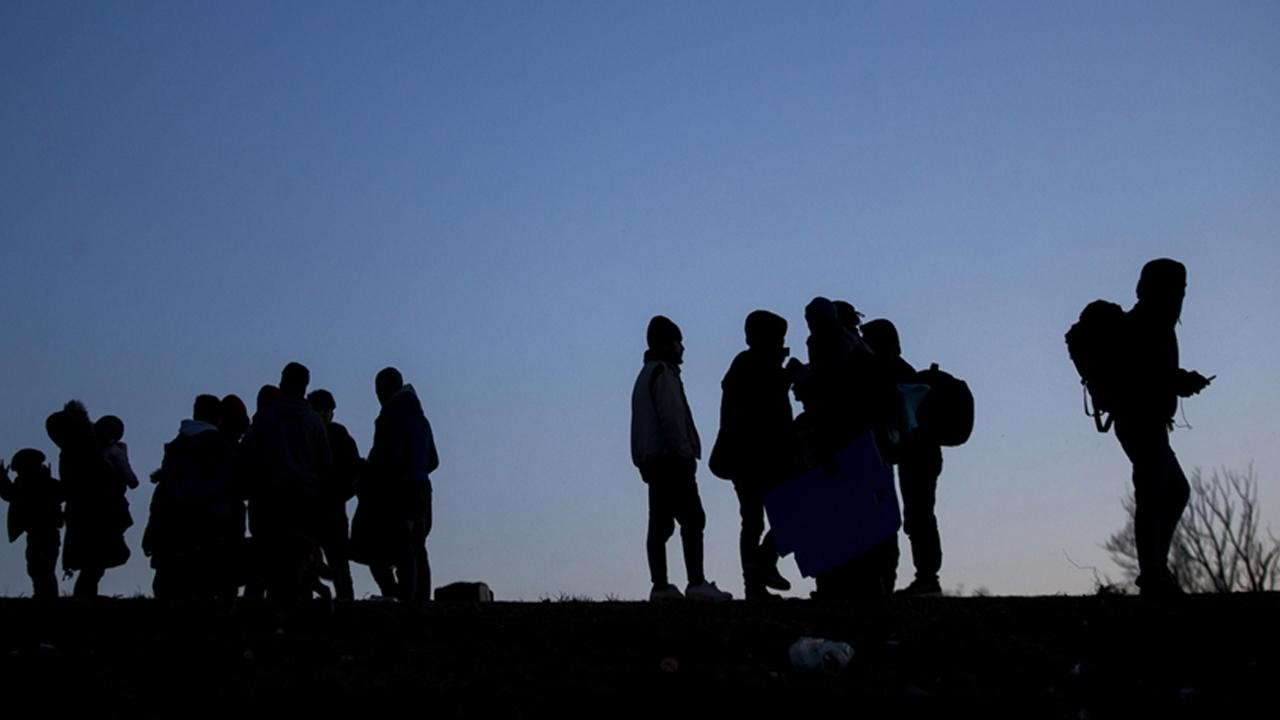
[495,197]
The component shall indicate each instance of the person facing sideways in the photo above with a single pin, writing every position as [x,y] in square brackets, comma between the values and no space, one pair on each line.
[287,466]
[196,523]
[919,465]
[1143,415]
[347,467]
[97,512]
[394,514]
[756,447]
[665,448]
[35,508]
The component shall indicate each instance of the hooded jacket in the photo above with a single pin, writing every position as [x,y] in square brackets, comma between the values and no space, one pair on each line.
[661,422]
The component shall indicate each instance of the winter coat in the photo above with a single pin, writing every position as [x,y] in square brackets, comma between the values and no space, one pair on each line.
[757,437]
[396,488]
[35,504]
[288,469]
[661,423]
[196,504]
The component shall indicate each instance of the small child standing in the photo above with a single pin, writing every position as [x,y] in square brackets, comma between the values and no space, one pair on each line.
[35,507]
[109,430]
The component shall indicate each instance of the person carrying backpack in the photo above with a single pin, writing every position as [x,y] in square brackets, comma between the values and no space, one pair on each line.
[1129,364]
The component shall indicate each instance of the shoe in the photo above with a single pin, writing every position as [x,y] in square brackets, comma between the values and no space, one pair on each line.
[665,593]
[921,588]
[706,590]
[773,579]
[761,594]
[1160,586]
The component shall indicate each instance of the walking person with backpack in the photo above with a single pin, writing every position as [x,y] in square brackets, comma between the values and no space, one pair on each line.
[1130,367]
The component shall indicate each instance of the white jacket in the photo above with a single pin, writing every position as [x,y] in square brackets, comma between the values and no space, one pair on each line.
[661,423]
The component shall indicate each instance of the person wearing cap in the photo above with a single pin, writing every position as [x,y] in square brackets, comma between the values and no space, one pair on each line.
[1144,418]
[756,447]
[665,448]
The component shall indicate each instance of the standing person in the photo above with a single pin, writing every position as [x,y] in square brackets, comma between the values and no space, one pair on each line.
[197,517]
[756,448]
[919,465]
[394,515]
[288,466]
[665,448]
[97,513]
[1144,413]
[347,466]
[35,508]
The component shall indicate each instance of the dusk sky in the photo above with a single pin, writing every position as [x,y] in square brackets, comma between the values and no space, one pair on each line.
[496,196]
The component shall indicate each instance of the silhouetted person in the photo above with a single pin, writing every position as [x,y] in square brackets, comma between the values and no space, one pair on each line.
[97,512]
[845,393]
[233,417]
[1144,417]
[347,467]
[393,518]
[35,508]
[109,430]
[197,516]
[288,467]
[756,448]
[665,447]
[919,465]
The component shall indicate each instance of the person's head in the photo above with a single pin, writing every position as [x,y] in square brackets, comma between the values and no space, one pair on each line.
[206,408]
[233,416]
[850,319]
[323,403]
[765,330]
[386,383]
[1162,287]
[294,380]
[820,315]
[28,461]
[882,336]
[70,427]
[109,429]
[267,394]
[664,338]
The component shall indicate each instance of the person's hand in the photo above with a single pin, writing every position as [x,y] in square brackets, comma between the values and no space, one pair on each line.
[1193,382]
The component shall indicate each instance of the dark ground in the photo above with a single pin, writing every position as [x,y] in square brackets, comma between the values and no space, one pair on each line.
[1104,656]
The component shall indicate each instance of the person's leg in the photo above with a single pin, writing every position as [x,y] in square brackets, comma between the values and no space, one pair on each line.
[693,520]
[918,478]
[751,512]
[661,525]
[1156,493]
[87,582]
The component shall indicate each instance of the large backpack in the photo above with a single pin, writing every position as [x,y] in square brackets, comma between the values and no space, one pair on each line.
[945,415]
[1094,343]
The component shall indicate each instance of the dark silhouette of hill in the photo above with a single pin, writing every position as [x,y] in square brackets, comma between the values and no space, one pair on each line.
[1042,657]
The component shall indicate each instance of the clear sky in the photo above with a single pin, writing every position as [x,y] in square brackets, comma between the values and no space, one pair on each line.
[495,197]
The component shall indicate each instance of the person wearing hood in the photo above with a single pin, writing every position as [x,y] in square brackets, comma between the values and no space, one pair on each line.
[1144,417]
[919,465]
[394,514]
[97,513]
[665,448]
[756,447]
[196,522]
[288,469]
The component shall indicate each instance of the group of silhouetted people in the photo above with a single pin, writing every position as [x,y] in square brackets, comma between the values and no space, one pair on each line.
[260,503]
[848,387]
[255,503]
